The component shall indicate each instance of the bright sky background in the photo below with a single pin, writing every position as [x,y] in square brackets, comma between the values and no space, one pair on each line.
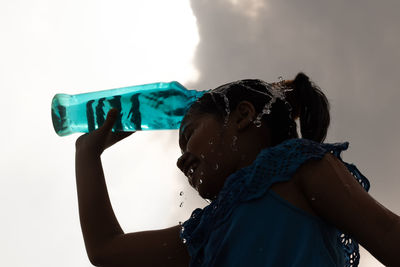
[350,49]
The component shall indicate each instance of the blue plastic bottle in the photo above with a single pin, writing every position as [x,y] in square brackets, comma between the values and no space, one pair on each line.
[156,106]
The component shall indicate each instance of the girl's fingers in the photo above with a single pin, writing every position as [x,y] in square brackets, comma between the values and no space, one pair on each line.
[110,120]
[116,137]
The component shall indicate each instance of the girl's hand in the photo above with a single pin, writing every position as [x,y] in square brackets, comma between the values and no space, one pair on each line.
[99,140]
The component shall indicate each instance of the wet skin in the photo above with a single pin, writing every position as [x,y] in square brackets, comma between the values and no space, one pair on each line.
[214,150]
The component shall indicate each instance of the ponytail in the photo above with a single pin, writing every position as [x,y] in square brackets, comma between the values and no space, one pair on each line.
[310,104]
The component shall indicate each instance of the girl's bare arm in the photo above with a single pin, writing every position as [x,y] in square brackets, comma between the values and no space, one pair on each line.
[338,198]
[105,241]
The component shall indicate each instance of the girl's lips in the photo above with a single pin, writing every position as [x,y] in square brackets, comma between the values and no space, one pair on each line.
[196,182]
[188,171]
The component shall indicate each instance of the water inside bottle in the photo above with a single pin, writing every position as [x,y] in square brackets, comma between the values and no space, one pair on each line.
[157,109]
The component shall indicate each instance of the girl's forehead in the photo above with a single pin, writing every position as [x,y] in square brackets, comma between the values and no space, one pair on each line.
[192,119]
[188,119]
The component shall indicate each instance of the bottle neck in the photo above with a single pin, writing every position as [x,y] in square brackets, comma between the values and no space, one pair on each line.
[195,94]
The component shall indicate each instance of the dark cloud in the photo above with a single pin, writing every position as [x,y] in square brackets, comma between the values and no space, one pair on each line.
[349,48]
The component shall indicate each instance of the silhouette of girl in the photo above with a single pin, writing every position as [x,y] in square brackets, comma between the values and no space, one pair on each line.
[275,199]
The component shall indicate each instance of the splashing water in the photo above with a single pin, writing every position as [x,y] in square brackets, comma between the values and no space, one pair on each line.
[257,124]
[181,193]
[216,166]
[190,174]
[222,91]
[181,205]
[234,144]
[273,90]
[226,109]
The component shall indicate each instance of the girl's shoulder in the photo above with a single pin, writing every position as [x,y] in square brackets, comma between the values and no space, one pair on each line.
[297,155]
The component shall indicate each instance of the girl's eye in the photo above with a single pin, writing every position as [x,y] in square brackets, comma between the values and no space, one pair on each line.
[187,135]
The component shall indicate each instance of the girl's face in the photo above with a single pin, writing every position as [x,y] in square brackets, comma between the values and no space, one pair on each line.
[209,154]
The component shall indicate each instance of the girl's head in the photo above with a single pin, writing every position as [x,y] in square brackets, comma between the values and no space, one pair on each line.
[227,127]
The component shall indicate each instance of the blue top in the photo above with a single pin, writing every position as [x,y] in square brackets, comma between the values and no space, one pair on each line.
[250,225]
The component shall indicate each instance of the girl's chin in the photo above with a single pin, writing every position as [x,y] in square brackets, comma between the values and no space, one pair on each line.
[205,195]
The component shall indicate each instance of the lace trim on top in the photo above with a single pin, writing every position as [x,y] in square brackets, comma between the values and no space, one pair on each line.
[273,164]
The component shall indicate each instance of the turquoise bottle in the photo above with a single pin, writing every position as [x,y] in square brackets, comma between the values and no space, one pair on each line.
[156,106]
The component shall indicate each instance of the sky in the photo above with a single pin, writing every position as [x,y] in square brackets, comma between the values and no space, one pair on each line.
[349,48]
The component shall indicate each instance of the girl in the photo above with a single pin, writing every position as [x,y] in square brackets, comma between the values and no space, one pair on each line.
[275,199]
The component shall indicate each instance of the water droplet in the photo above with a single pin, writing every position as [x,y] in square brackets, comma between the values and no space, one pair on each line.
[215,207]
[184,241]
[182,229]
[313,198]
[257,123]
[201,173]
[210,142]
[280,78]
[190,173]
[181,193]
[200,181]
[180,223]
[202,156]
[234,144]
[208,201]
[226,108]
[194,216]
[181,205]
[216,166]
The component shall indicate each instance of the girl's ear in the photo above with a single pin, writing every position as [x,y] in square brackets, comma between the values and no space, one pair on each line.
[245,115]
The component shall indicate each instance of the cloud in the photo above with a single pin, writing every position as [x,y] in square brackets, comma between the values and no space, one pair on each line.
[349,48]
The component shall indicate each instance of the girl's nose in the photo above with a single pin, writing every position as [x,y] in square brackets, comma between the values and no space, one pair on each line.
[181,160]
